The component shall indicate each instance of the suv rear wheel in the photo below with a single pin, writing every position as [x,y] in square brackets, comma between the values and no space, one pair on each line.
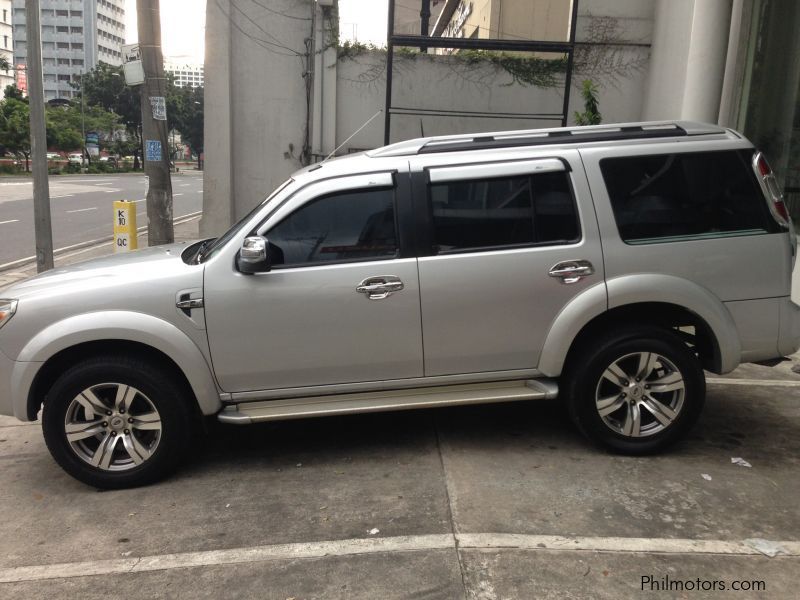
[117,422]
[636,390]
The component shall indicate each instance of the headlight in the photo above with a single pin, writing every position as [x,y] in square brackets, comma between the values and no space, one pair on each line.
[7,310]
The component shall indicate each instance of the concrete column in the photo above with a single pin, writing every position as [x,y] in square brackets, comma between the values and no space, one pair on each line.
[688,60]
[217,181]
[705,70]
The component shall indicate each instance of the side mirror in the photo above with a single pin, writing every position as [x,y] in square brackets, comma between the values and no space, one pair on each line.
[253,257]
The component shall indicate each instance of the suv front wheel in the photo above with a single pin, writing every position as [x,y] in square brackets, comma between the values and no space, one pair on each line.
[116,422]
[636,390]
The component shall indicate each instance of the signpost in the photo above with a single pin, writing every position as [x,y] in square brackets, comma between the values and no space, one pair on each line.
[125,236]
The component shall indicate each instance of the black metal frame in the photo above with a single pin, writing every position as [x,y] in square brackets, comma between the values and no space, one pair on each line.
[426,41]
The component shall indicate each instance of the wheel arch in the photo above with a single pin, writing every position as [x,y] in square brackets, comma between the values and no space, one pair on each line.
[654,299]
[116,332]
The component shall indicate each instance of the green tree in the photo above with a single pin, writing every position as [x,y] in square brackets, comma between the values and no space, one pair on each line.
[189,118]
[12,91]
[591,110]
[15,132]
[105,86]
[66,123]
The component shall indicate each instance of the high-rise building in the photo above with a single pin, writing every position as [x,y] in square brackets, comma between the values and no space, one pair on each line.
[76,36]
[186,75]
[6,44]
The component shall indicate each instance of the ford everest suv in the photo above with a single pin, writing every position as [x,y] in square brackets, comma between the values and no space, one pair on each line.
[606,266]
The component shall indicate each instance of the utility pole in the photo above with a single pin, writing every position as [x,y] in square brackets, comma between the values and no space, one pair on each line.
[154,125]
[41,189]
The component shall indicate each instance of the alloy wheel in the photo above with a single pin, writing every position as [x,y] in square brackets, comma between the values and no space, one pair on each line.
[112,426]
[640,394]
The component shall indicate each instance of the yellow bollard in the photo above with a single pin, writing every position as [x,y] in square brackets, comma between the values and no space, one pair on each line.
[125,237]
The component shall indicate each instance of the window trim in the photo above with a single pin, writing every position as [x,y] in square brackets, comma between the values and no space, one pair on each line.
[741,155]
[398,241]
[429,229]
[482,171]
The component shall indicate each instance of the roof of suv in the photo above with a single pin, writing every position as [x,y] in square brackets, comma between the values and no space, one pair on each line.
[619,132]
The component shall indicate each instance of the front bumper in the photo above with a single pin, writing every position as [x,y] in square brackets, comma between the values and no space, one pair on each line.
[6,371]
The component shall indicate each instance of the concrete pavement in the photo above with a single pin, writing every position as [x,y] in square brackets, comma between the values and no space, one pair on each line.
[500,501]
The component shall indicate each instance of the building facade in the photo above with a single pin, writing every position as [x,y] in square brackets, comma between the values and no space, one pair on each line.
[731,62]
[6,43]
[544,20]
[186,75]
[76,36]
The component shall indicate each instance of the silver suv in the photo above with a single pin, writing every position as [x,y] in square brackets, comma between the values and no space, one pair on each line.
[605,265]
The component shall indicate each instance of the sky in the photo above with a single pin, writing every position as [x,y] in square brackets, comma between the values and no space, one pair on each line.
[183,25]
[363,20]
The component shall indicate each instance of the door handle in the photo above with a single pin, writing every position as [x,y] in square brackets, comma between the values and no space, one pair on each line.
[380,287]
[571,271]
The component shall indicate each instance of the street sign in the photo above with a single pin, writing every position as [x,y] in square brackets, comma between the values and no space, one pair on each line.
[152,150]
[93,143]
[132,64]
[125,237]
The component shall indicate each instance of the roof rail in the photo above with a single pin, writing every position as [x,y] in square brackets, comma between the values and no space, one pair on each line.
[542,137]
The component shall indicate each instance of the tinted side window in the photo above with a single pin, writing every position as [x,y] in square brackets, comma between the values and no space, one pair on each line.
[508,211]
[356,225]
[696,194]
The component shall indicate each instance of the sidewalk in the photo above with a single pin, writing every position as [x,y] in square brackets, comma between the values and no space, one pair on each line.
[184,231]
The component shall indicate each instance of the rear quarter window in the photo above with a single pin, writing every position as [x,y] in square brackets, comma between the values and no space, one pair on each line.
[685,196]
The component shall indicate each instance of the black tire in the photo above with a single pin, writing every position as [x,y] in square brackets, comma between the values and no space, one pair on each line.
[155,385]
[583,377]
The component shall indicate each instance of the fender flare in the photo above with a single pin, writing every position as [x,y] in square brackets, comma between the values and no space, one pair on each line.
[114,325]
[635,289]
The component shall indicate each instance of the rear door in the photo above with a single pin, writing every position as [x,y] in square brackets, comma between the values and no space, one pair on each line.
[505,246]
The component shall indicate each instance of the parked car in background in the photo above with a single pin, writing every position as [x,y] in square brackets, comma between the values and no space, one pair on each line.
[605,266]
[109,160]
[53,156]
[75,158]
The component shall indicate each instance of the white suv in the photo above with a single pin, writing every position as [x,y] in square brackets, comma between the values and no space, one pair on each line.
[604,265]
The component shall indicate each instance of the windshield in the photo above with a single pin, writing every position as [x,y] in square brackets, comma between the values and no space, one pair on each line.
[215,245]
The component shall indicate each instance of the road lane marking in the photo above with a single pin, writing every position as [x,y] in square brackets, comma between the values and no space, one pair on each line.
[181,194]
[764,382]
[11,221]
[365,546]
[139,200]
[183,184]
[82,210]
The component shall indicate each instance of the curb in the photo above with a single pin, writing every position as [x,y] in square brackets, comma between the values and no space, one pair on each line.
[23,262]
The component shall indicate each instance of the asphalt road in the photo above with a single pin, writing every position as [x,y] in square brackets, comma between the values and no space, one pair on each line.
[81,208]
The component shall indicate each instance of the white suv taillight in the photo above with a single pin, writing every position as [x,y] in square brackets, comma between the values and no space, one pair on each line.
[770,187]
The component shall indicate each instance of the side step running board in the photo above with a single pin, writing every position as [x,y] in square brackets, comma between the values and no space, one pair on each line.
[319,406]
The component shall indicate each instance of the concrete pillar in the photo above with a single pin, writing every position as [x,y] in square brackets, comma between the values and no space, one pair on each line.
[688,60]
[256,107]
[218,188]
[705,70]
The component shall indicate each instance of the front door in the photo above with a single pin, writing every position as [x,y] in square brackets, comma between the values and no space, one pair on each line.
[339,304]
[509,244]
